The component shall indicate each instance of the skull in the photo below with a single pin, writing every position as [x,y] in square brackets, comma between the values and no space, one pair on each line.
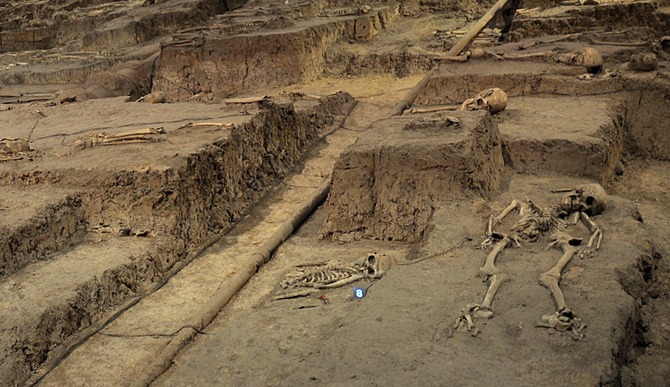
[643,62]
[587,57]
[588,198]
[373,265]
[14,145]
[492,100]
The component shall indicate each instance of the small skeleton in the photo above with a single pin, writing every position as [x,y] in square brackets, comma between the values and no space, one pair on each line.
[332,274]
[131,137]
[576,205]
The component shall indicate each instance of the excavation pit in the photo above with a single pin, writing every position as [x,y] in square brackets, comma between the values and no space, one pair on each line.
[129,213]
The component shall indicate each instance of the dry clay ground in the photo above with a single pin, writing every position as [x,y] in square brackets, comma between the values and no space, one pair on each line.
[402,332]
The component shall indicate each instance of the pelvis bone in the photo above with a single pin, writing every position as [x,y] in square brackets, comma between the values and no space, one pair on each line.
[492,100]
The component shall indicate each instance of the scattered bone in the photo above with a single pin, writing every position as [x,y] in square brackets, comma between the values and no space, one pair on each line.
[217,125]
[457,58]
[155,97]
[131,137]
[643,62]
[246,100]
[432,109]
[492,100]
[10,146]
[522,11]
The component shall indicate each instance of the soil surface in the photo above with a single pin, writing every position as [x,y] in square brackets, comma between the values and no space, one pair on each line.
[149,149]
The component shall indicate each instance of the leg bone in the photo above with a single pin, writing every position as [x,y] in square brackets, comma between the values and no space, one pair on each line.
[489,267]
[496,281]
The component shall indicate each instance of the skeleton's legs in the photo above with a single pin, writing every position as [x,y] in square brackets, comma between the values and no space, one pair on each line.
[563,319]
[496,281]
[489,267]
[551,278]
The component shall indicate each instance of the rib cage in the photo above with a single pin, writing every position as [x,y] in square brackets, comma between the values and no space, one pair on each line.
[536,221]
[320,276]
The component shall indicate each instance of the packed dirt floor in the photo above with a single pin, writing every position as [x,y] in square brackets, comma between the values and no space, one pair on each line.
[215,193]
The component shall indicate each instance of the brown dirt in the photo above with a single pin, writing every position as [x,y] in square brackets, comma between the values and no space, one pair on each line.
[107,251]
[384,186]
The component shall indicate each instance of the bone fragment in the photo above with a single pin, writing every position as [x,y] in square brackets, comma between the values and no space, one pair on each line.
[125,141]
[451,58]
[144,131]
[544,54]
[522,11]
[294,294]
[2,160]
[489,267]
[246,100]
[432,109]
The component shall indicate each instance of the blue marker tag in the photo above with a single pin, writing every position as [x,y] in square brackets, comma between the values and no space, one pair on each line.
[359,293]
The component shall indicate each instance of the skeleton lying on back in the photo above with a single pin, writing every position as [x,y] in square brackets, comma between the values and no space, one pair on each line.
[576,205]
[332,274]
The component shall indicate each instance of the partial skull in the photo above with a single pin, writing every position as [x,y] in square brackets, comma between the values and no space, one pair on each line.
[643,62]
[587,198]
[587,57]
[492,100]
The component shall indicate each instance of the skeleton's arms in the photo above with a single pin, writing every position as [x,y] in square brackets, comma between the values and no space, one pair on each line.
[494,220]
[596,233]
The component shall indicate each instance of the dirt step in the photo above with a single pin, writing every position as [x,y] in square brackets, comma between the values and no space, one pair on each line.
[230,63]
[179,188]
[107,25]
[385,186]
[540,136]
[36,222]
[575,19]
[48,301]
[153,321]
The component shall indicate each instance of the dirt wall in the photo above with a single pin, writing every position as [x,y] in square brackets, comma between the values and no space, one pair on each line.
[179,208]
[235,64]
[385,186]
[57,226]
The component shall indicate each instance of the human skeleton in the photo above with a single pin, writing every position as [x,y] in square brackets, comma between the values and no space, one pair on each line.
[576,205]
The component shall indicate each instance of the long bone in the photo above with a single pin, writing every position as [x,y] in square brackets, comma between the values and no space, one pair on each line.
[551,278]
[467,317]
[563,319]
[484,309]
[489,268]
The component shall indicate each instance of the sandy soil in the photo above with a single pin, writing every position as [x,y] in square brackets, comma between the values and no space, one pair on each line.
[108,252]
